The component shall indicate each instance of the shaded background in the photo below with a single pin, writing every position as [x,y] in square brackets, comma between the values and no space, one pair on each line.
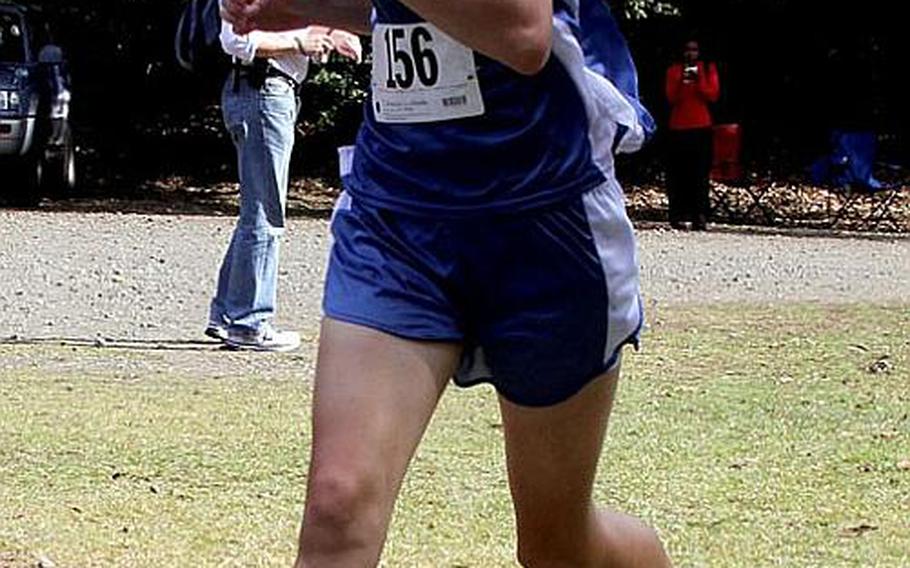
[139,117]
[791,71]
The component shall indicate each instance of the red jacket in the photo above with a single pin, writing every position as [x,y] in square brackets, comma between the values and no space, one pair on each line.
[690,99]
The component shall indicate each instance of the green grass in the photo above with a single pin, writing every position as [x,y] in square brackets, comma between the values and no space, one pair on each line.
[748,436]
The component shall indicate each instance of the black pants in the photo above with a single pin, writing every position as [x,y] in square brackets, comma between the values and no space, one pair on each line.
[688,170]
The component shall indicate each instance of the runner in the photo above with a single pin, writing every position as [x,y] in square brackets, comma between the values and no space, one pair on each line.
[483,236]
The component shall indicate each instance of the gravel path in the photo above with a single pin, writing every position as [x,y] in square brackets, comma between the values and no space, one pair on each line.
[144,277]
[145,281]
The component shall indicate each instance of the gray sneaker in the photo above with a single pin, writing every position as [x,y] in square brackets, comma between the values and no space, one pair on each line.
[266,338]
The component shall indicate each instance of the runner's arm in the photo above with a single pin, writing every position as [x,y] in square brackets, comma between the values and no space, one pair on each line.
[280,15]
[518,33]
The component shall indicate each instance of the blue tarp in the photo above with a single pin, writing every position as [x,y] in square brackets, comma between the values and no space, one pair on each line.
[850,162]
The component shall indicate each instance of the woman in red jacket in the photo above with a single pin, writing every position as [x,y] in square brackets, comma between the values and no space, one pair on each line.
[692,86]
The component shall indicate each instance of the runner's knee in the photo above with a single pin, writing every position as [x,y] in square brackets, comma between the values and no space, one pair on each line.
[343,503]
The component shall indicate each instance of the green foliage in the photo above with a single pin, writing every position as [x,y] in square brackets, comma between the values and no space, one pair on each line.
[332,95]
[641,9]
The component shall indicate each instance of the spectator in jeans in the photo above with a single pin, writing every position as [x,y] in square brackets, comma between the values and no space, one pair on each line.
[692,85]
[260,103]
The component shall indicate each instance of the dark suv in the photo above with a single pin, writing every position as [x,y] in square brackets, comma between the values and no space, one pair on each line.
[36,141]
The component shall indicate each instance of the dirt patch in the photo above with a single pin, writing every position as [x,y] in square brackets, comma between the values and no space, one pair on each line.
[15,559]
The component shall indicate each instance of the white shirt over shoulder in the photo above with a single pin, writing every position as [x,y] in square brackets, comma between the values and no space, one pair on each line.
[244,47]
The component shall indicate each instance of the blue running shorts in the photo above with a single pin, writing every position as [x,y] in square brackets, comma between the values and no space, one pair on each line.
[542,301]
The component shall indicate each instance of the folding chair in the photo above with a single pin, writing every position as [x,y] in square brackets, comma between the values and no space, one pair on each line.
[728,169]
[850,165]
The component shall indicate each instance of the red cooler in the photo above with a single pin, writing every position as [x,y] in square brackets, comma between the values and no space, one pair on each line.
[728,146]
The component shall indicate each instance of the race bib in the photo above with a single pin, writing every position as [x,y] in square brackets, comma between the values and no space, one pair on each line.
[420,74]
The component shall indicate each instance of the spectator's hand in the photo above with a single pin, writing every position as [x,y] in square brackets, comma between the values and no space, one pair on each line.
[347,44]
[316,45]
[269,15]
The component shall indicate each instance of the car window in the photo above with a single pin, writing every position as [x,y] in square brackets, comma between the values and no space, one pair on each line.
[12,43]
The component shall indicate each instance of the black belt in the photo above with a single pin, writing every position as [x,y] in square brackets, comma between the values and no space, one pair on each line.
[272,71]
[259,71]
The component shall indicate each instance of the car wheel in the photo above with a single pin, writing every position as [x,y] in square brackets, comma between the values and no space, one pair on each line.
[59,170]
[68,165]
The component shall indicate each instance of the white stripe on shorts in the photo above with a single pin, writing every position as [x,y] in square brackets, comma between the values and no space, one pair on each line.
[615,242]
[613,234]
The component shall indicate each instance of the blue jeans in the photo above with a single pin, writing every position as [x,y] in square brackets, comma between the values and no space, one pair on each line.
[261,123]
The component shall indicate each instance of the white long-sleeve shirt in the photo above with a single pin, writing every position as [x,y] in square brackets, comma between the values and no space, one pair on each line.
[244,47]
